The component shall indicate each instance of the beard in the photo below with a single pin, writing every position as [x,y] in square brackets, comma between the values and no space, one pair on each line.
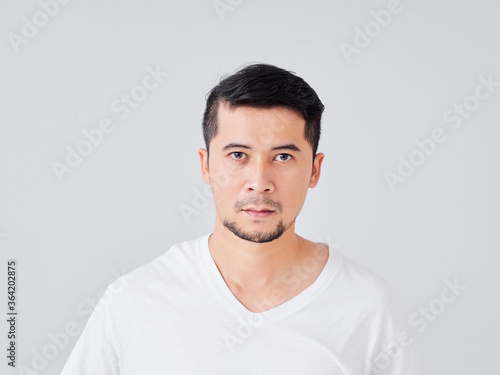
[257,237]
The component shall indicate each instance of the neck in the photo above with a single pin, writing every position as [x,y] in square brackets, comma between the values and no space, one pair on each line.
[255,267]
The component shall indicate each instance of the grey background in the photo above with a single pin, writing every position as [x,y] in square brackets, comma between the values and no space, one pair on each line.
[120,208]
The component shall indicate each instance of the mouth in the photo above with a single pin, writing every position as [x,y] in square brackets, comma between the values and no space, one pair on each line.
[258,213]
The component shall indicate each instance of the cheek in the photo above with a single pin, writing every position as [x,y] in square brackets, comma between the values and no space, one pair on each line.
[296,198]
[220,182]
[295,191]
[223,173]
[224,191]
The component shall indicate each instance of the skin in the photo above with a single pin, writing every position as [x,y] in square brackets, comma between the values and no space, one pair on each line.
[257,257]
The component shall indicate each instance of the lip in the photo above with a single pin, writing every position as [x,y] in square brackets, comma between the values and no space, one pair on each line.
[262,208]
[254,213]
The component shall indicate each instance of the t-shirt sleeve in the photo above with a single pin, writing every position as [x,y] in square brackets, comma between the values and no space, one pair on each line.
[95,352]
[395,351]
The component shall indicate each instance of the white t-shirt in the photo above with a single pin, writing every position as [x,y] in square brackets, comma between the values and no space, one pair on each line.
[176,315]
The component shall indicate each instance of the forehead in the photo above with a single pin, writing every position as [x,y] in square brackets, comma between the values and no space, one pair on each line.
[259,125]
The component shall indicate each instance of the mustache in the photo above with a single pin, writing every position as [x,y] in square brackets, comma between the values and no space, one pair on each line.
[259,202]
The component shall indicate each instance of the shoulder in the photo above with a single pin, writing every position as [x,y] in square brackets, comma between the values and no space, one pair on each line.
[178,265]
[360,275]
[362,287]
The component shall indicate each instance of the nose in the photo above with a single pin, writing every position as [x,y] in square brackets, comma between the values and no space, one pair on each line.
[260,177]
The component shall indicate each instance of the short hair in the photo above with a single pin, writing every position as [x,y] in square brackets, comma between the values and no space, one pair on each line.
[265,86]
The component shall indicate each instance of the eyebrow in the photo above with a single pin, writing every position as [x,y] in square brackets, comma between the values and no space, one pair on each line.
[289,146]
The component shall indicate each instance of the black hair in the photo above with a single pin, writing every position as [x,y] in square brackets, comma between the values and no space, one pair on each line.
[265,86]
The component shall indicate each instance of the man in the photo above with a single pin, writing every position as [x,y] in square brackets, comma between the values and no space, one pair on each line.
[253,297]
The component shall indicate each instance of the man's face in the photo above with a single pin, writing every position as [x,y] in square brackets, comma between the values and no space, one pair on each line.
[259,160]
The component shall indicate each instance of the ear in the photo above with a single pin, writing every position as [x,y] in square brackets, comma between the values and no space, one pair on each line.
[316,171]
[204,165]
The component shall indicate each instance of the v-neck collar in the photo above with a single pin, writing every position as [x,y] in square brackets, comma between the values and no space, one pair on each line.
[265,317]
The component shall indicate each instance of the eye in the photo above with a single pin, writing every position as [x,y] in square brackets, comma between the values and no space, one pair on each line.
[286,155]
[237,155]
